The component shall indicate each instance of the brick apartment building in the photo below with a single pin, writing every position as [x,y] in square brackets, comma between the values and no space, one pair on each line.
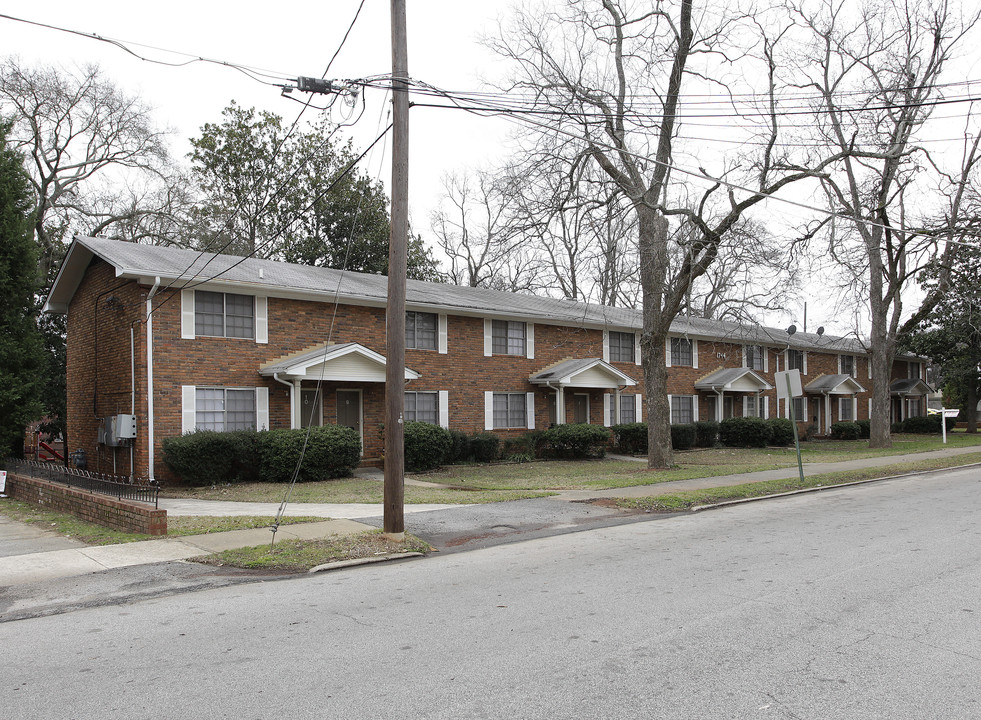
[183,341]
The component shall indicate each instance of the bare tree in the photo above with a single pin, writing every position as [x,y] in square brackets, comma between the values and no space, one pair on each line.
[473,228]
[610,77]
[878,72]
[77,129]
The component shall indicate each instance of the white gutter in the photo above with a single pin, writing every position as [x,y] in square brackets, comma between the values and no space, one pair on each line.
[149,374]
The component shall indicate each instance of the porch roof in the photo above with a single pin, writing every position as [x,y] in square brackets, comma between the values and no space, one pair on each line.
[351,362]
[734,380]
[834,385]
[585,373]
[911,386]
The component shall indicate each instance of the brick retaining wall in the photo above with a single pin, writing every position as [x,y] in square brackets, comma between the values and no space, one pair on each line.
[103,510]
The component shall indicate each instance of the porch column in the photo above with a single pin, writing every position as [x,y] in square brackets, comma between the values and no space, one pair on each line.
[560,406]
[295,404]
[615,420]
[827,413]
[718,405]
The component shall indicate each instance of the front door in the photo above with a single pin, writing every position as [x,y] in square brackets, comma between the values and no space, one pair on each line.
[311,408]
[349,410]
[726,407]
[580,408]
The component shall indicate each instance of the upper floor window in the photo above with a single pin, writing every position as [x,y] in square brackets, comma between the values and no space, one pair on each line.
[507,337]
[224,315]
[224,409]
[755,357]
[422,407]
[846,365]
[914,370]
[420,330]
[795,360]
[681,352]
[621,347]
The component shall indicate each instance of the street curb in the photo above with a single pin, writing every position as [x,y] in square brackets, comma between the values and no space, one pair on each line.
[819,488]
[363,561]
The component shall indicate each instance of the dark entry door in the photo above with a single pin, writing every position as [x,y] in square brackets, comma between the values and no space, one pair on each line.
[349,409]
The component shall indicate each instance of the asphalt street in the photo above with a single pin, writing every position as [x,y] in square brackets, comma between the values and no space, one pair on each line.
[862,602]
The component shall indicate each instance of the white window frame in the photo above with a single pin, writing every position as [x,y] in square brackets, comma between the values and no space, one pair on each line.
[669,355]
[489,338]
[260,317]
[436,331]
[763,352]
[416,394]
[841,370]
[851,403]
[529,399]
[694,408]
[189,405]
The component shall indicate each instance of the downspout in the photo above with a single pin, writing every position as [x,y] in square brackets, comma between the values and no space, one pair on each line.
[149,374]
[559,415]
[292,409]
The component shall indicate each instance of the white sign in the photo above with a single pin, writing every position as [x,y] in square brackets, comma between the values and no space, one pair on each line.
[3,481]
[788,384]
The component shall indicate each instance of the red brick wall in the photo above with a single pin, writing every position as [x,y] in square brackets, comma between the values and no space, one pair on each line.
[91,507]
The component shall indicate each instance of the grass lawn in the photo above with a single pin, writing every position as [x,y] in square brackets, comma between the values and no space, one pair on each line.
[92,534]
[497,483]
[676,502]
[301,555]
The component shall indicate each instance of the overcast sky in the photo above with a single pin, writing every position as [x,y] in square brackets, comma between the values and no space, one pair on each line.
[444,50]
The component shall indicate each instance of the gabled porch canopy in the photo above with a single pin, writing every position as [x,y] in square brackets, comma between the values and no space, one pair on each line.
[834,385]
[584,373]
[733,380]
[347,362]
[912,386]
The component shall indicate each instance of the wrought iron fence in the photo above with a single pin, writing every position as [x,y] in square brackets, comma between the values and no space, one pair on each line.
[121,487]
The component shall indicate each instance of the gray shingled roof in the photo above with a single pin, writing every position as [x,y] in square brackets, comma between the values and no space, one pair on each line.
[831,383]
[913,386]
[727,376]
[178,267]
[567,368]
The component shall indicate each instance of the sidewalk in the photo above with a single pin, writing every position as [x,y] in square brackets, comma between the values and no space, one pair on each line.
[59,559]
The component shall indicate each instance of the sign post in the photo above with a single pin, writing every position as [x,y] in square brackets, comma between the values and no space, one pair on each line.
[788,387]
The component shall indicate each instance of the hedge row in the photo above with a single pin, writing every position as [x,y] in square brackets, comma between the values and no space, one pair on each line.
[207,457]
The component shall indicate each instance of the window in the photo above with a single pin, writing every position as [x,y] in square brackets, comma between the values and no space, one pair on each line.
[755,357]
[846,409]
[682,409]
[223,409]
[753,406]
[621,347]
[420,330]
[914,370]
[507,337]
[628,409]
[800,409]
[795,360]
[510,410]
[224,315]
[681,352]
[846,365]
[422,407]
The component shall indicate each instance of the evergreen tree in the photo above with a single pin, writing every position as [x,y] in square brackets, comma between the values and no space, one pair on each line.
[21,351]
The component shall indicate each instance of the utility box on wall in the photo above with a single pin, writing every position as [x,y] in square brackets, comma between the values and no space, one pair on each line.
[117,430]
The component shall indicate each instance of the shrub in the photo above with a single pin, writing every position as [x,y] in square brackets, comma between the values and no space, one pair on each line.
[459,447]
[332,451]
[528,445]
[485,447]
[706,433]
[683,436]
[631,438]
[896,428]
[426,446]
[209,457]
[781,431]
[864,429]
[744,432]
[577,440]
[924,424]
[845,431]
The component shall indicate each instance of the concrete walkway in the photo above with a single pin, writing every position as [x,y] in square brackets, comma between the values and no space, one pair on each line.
[33,555]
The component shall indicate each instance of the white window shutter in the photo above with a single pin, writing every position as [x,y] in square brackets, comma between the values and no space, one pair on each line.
[606,346]
[745,359]
[187,314]
[667,352]
[694,353]
[745,405]
[637,358]
[441,325]
[261,319]
[262,408]
[188,420]
[870,408]
[839,364]
[638,408]
[766,408]
[868,364]
[804,371]
[530,340]
[694,408]
[766,358]
[488,347]
[669,409]
[607,409]
[530,409]
[488,410]
[444,407]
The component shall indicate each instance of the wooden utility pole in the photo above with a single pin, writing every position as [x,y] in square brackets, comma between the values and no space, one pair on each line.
[394,511]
